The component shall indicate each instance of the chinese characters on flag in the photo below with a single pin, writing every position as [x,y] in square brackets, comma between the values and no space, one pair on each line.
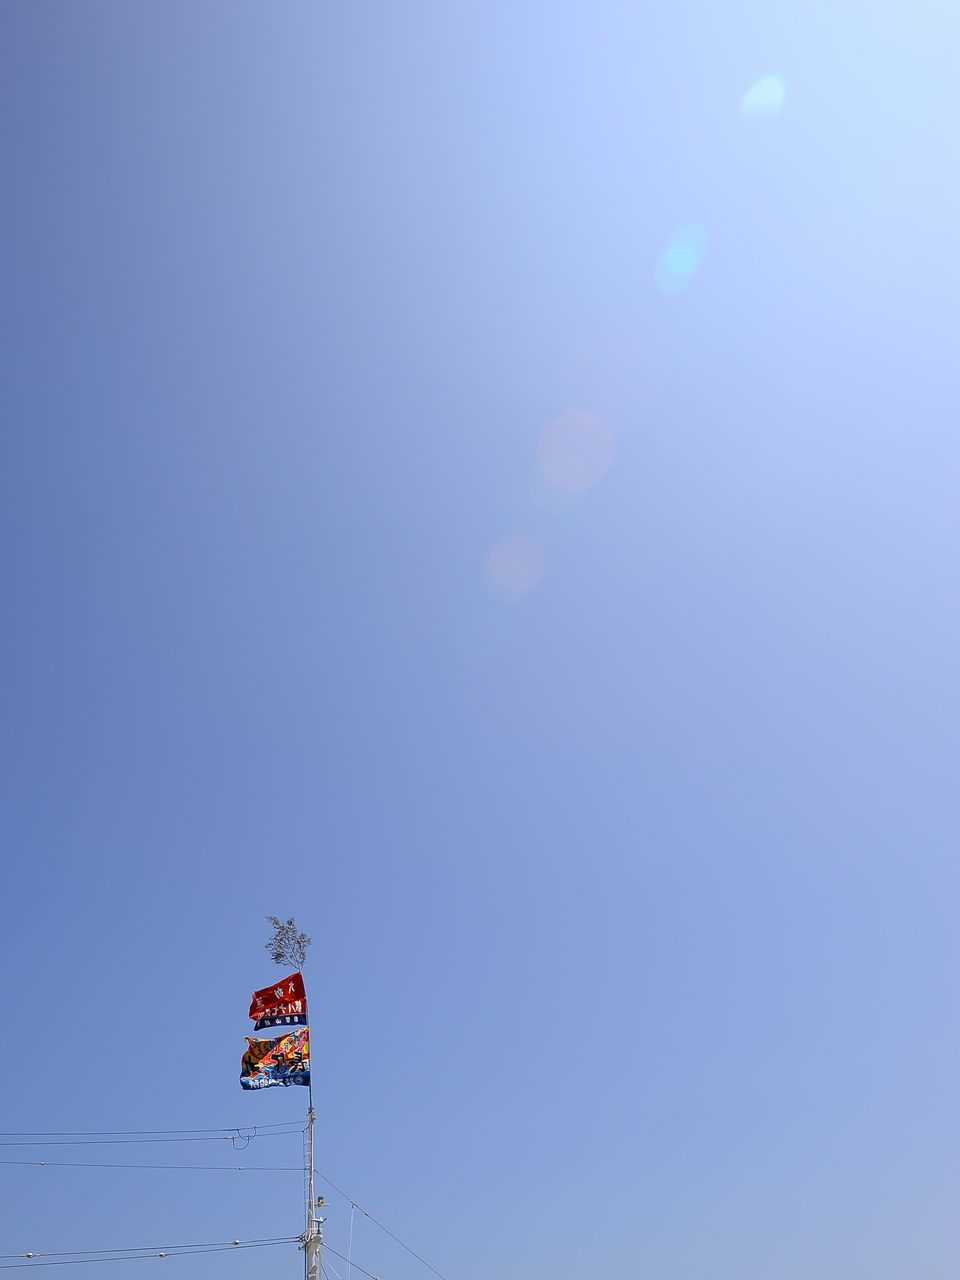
[284,1004]
[285,1060]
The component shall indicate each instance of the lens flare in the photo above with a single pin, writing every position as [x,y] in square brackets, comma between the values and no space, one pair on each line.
[764,99]
[678,263]
[515,564]
[575,451]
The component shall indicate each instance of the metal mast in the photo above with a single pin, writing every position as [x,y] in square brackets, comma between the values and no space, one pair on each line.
[288,946]
[313,1235]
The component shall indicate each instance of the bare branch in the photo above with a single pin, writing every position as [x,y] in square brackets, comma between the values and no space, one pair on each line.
[288,946]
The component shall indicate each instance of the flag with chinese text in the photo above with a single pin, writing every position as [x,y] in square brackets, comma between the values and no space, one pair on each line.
[282,1004]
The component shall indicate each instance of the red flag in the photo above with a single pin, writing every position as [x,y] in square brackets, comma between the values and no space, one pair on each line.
[285,998]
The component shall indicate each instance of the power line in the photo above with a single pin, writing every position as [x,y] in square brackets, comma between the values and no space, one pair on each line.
[146,1248]
[123,1142]
[136,1133]
[385,1230]
[220,1168]
[83,1164]
[175,1252]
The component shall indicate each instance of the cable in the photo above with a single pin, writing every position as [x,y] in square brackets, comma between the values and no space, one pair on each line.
[221,1168]
[411,1252]
[369,1274]
[136,1133]
[384,1229]
[148,1248]
[83,1164]
[143,1257]
[123,1142]
[339,1190]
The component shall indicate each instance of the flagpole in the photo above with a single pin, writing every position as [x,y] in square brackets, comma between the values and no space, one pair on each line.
[288,946]
[313,1236]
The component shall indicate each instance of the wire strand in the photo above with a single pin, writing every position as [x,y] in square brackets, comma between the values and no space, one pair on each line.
[143,1257]
[376,1223]
[257,1130]
[92,1164]
[124,1142]
[145,1248]
[356,1266]
[136,1133]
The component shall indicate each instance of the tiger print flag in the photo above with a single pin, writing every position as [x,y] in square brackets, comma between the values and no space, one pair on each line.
[285,1060]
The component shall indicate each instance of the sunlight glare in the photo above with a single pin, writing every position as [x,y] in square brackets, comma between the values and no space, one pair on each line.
[515,564]
[765,98]
[678,263]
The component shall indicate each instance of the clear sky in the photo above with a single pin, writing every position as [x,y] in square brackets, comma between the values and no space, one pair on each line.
[483,478]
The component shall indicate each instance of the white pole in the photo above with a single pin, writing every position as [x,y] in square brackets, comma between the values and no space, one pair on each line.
[313,1236]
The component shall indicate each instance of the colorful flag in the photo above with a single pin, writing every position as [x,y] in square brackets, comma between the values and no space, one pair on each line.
[283,1004]
[285,1060]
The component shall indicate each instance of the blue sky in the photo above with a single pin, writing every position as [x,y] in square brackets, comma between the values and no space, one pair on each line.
[473,480]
